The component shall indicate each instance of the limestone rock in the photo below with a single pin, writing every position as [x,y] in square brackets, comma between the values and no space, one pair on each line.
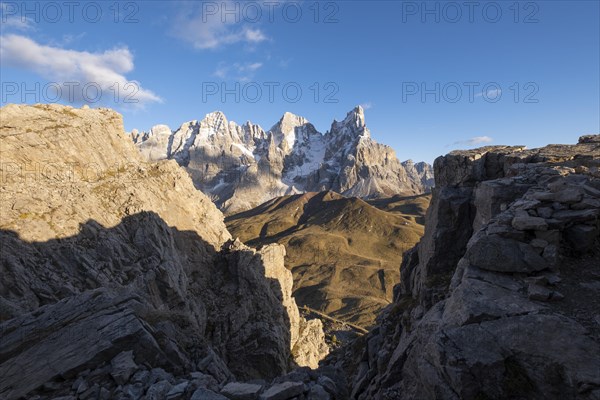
[310,347]
[242,166]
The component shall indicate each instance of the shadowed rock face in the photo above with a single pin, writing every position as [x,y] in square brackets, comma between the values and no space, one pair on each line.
[240,167]
[500,297]
[125,282]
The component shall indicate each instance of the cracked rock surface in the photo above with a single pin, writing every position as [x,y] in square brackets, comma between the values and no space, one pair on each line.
[500,297]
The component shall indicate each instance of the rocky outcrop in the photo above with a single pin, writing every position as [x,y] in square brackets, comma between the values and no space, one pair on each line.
[420,172]
[306,338]
[500,297]
[119,278]
[240,167]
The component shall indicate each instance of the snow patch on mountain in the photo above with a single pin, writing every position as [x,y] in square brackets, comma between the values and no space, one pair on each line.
[241,166]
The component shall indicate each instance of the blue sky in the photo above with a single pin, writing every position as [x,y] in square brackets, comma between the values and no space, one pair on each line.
[541,58]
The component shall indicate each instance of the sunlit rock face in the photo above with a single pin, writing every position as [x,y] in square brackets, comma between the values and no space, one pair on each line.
[240,167]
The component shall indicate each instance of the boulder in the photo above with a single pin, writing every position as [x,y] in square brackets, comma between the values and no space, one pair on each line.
[205,394]
[529,223]
[241,391]
[283,391]
[177,392]
[494,253]
[123,366]
[158,390]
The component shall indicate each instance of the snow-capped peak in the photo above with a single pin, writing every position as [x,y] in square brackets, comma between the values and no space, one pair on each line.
[242,165]
[353,124]
[285,130]
[160,130]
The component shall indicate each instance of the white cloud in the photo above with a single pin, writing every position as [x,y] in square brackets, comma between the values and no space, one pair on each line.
[366,106]
[105,69]
[474,141]
[10,19]
[209,31]
[237,71]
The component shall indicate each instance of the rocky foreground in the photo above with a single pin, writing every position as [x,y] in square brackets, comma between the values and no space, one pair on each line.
[119,278]
[501,298]
[115,287]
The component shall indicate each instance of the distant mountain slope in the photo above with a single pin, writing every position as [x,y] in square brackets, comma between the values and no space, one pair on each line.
[242,166]
[344,253]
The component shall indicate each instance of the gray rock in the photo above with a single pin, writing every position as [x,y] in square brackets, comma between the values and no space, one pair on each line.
[241,391]
[569,195]
[328,384]
[586,203]
[199,379]
[96,325]
[205,394]
[92,269]
[123,367]
[537,292]
[104,394]
[592,191]
[551,254]
[92,393]
[158,391]
[177,392]
[159,374]
[283,391]
[538,243]
[529,223]
[317,392]
[133,391]
[494,253]
[142,377]
[545,212]
[577,215]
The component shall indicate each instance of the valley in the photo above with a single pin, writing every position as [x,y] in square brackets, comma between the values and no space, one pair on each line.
[344,252]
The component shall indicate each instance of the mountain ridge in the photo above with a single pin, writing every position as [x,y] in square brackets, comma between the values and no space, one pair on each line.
[242,166]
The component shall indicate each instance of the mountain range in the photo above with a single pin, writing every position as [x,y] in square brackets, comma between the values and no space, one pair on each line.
[242,166]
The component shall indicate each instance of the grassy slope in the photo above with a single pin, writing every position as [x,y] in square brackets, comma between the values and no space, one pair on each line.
[344,252]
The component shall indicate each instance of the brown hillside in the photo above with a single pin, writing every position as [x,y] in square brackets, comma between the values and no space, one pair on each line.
[344,253]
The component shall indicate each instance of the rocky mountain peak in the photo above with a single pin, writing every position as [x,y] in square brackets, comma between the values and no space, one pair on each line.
[292,120]
[353,125]
[289,129]
[214,123]
[228,161]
